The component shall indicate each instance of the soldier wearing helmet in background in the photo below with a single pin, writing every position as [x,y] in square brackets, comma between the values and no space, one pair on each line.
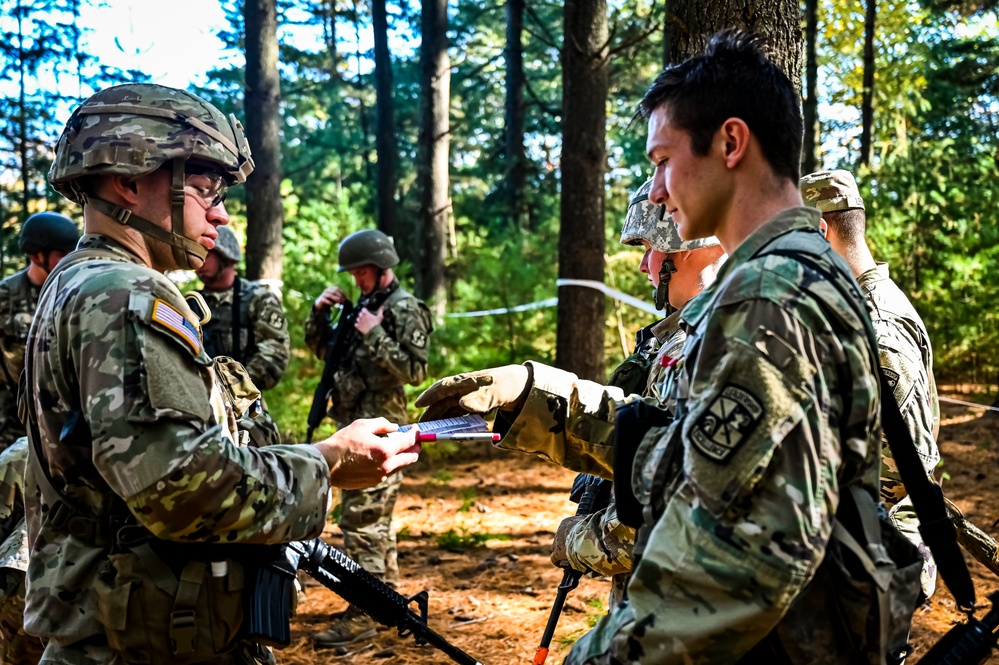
[388,351]
[678,270]
[46,237]
[139,505]
[247,324]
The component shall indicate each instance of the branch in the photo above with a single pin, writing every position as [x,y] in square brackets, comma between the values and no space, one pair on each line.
[629,43]
[549,38]
[553,111]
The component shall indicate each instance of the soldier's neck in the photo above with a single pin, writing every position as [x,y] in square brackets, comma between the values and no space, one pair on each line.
[36,274]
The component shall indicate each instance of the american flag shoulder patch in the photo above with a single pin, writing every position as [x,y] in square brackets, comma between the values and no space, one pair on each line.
[170,318]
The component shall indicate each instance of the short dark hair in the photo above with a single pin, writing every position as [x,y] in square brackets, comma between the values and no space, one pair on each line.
[733,79]
[850,225]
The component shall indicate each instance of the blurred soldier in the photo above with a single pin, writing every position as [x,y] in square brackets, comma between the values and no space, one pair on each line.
[388,350]
[138,504]
[16,646]
[247,323]
[904,349]
[46,237]
[776,434]
[678,270]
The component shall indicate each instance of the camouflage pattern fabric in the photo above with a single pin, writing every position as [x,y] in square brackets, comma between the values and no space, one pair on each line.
[129,417]
[18,300]
[369,384]
[831,191]
[906,357]
[649,222]
[741,490]
[264,344]
[16,646]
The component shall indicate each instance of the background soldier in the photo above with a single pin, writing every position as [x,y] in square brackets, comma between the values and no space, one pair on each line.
[247,324]
[133,477]
[388,351]
[904,348]
[46,237]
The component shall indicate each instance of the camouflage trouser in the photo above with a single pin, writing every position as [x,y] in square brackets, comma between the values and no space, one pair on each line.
[95,651]
[366,522]
[16,646]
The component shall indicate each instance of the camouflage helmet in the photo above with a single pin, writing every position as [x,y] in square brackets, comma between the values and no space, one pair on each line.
[649,222]
[228,245]
[133,130]
[367,247]
[136,128]
[48,232]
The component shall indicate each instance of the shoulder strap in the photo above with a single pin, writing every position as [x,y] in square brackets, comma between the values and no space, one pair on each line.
[237,300]
[935,525]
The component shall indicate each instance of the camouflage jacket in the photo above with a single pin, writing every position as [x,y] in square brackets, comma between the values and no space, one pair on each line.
[369,380]
[13,531]
[741,490]
[906,357]
[126,407]
[18,299]
[264,345]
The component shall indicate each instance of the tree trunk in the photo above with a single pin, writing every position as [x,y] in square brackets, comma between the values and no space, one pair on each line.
[580,340]
[778,21]
[810,103]
[435,203]
[22,131]
[362,107]
[385,143]
[867,97]
[264,211]
[516,160]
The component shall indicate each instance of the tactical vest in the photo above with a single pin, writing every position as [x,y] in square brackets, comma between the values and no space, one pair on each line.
[224,333]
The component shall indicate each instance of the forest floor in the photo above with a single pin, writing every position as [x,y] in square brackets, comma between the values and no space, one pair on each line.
[476,534]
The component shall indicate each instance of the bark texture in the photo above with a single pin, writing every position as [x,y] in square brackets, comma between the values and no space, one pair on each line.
[580,339]
[810,101]
[516,171]
[385,141]
[435,202]
[264,210]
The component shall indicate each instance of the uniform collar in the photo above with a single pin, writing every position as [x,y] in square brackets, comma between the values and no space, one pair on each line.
[869,278]
[98,241]
[793,219]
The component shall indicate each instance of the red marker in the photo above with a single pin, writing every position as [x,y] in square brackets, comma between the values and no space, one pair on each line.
[458,436]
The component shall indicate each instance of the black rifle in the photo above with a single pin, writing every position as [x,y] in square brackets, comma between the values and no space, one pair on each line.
[268,615]
[592,494]
[340,342]
[968,643]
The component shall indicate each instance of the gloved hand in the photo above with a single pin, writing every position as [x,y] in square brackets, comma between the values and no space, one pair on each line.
[502,388]
[560,555]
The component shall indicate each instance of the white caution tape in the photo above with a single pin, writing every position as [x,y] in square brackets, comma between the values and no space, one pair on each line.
[552,302]
[963,403]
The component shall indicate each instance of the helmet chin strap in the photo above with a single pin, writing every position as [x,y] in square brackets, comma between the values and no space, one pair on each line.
[183,247]
[661,292]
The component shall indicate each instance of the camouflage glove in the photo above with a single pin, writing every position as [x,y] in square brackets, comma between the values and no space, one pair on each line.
[560,553]
[502,388]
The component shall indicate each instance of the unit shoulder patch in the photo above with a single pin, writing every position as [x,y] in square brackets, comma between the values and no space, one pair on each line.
[727,422]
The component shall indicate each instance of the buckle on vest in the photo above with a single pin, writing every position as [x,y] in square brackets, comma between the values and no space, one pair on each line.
[183,632]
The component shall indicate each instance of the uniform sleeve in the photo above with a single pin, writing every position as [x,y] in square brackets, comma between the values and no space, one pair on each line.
[566,420]
[601,544]
[317,332]
[901,360]
[145,389]
[405,356]
[749,510]
[7,337]
[270,336]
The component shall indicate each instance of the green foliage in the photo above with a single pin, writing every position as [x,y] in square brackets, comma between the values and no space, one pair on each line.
[468,496]
[462,539]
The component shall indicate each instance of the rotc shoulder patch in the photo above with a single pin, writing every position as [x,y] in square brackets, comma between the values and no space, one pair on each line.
[891,375]
[170,318]
[419,339]
[726,423]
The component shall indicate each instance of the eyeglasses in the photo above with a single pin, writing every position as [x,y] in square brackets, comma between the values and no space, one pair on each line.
[210,186]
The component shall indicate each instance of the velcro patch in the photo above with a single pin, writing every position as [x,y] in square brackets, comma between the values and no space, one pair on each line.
[891,375]
[170,318]
[727,422]
[419,339]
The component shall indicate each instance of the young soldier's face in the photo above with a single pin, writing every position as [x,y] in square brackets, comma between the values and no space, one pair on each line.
[691,186]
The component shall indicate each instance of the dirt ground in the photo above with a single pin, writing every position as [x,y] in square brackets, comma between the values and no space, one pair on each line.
[476,535]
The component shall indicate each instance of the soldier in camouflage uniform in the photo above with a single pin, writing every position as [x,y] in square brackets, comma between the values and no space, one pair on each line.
[16,646]
[247,324]
[387,350]
[678,270]
[46,237]
[777,405]
[904,349]
[133,480]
